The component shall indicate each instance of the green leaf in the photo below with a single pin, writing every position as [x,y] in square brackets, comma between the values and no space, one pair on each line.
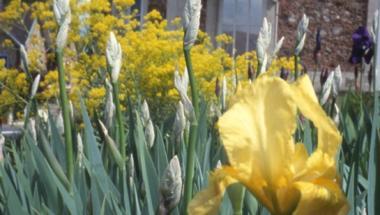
[148,171]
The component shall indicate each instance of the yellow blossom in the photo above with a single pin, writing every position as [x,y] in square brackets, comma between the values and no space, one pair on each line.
[257,134]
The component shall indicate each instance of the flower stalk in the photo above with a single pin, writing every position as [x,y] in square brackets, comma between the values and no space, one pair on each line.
[191,19]
[62,14]
[66,115]
[193,131]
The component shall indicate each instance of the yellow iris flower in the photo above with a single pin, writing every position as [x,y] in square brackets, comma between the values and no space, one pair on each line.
[257,134]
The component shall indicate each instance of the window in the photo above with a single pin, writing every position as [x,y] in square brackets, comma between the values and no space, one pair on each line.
[242,19]
[142,7]
[4,58]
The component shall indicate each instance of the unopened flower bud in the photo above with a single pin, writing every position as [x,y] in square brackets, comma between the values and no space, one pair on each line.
[263,40]
[191,19]
[114,56]
[59,123]
[326,88]
[278,46]
[181,84]
[337,113]
[63,32]
[35,84]
[80,150]
[149,134]
[337,83]
[24,55]
[300,45]
[264,64]
[61,10]
[113,148]
[302,27]
[43,114]
[179,124]
[110,106]
[145,115]
[218,165]
[171,185]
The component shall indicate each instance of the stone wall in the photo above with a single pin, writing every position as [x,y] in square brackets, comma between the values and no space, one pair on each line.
[337,19]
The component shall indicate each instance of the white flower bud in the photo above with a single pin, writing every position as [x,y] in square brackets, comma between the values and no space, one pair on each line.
[35,84]
[337,112]
[145,115]
[188,108]
[337,82]
[218,165]
[59,123]
[80,150]
[181,84]
[61,10]
[24,55]
[326,88]
[278,46]
[63,33]
[111,144]
[149,134]
[300,45]
[264,39]
[302,27]
[179,124]
[43,114]
[171,185]
[266,32]
[110,106]
[114,56]
[191,19]
[264,64]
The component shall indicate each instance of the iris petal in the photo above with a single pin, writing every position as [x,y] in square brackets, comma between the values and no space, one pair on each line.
[257,135]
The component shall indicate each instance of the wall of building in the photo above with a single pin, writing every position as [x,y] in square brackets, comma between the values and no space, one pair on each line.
[338,19]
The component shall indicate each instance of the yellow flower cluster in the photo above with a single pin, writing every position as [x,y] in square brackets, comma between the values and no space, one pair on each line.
[151,54]
[13,85]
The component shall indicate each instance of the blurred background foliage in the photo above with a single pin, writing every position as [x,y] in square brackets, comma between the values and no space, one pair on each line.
[151,54]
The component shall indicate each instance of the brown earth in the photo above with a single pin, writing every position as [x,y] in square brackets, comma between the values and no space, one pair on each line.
[338,19]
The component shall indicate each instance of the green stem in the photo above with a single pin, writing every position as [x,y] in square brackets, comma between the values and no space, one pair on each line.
[120,139]
[193,132]
[119,118]
[66,115]
[296,59]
